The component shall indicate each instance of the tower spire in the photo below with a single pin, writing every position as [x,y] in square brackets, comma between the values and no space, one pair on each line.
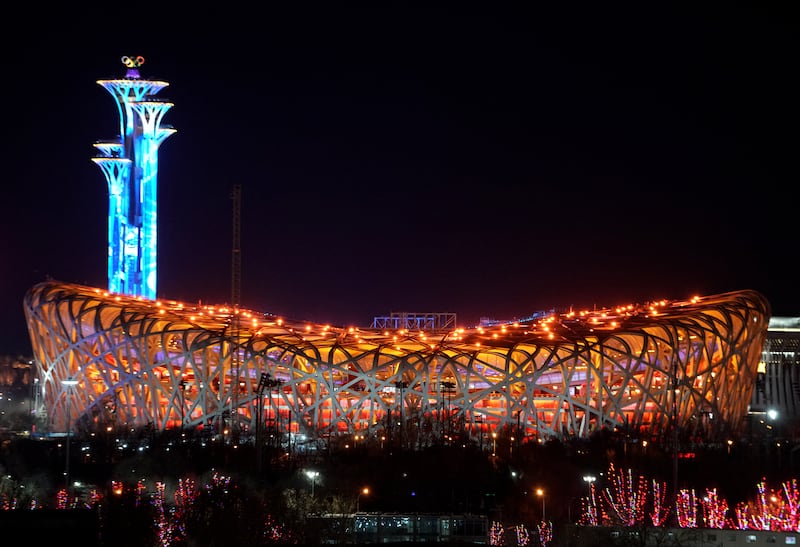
[130,165]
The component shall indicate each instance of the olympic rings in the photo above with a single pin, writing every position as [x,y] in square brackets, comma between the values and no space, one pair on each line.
[133,62]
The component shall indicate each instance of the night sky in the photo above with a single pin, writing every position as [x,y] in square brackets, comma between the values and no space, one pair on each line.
[489,163]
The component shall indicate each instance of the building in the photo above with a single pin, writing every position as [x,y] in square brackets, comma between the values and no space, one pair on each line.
[106,359]
[774,413]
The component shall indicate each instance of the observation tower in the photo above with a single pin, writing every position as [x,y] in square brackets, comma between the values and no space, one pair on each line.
[130,165]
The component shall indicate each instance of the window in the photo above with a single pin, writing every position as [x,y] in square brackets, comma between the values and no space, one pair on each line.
[750,538]
[791,540]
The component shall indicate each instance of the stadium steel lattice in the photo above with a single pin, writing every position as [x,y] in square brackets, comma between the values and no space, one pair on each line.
[169,365]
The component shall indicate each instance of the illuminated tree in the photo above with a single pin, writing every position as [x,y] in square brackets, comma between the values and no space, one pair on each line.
[686,508]
[497,534]
[625,497]
[715,509]
[660,508]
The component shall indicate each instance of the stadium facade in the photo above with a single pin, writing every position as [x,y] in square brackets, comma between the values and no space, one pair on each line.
[107,359]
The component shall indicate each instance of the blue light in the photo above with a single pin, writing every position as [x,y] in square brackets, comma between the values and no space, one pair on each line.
[131,170]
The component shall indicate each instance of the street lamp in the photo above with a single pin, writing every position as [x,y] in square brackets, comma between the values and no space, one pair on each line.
[34,396]
[772,414]
[313,476]
[364,491]
[540,493]
[589,510]
[69,383]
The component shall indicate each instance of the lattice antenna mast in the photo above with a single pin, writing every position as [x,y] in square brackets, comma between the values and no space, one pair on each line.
[236,288]
[236,257]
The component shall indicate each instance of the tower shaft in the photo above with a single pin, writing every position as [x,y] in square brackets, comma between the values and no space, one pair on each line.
[130,165]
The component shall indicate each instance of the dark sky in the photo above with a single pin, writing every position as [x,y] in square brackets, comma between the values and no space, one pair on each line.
[492,162]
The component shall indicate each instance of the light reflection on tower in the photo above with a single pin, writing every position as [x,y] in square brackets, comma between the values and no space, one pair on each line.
[130,165]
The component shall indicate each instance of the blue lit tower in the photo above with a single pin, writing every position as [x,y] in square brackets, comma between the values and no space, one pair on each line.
[130,165]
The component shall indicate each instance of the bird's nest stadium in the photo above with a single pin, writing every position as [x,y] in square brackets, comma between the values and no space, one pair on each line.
[650,368]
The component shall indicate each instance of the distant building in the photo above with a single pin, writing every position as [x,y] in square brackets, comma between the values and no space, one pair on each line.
[776,397]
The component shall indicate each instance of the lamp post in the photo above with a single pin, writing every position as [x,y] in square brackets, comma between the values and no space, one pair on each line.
[70,383]
[364,491]
[674,424]
[313,476]
[772,416]
[589,480]
[34,388]
[540,493]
